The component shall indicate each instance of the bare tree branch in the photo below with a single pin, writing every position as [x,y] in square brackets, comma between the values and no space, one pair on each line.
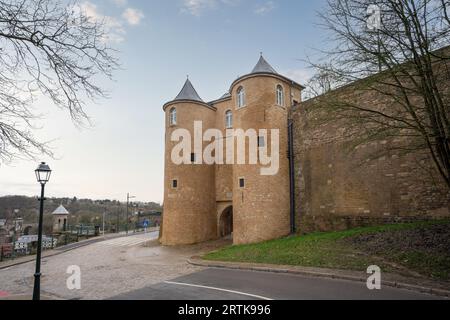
[404,57]
[52,49]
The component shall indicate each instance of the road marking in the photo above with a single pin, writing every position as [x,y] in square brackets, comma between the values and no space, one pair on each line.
[126,242]
[219,289]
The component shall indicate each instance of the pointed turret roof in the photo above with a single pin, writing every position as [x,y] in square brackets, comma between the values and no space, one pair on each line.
[263,67]
[61,211]
[188,93]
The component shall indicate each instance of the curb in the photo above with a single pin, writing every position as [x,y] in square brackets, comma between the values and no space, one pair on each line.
[298,271]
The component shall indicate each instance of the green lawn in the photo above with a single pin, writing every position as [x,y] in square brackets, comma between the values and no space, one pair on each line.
[402,248]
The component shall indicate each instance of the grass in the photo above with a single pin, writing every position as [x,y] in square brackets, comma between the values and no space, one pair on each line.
[334,250]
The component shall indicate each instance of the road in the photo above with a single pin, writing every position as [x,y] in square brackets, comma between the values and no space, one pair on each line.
[222,284]
[138,268]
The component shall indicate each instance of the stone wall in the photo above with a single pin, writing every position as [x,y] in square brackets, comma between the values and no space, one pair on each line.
[338,187]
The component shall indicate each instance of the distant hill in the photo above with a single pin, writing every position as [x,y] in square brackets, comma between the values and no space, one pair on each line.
[84,210]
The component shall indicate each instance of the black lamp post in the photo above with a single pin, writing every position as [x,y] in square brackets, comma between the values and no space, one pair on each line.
[43,173]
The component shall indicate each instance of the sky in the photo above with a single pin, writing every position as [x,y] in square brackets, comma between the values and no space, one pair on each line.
[160,43]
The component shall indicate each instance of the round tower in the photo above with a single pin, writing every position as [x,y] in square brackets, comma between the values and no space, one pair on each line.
[189,198]
[261,203]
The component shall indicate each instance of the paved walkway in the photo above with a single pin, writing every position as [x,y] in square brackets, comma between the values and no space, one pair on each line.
[49,253]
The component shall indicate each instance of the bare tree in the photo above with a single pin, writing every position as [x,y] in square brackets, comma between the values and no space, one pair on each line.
[320,83]
[399,50]
[50,49]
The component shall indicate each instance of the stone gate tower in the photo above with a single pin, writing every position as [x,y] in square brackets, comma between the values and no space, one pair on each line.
[189,197]
[204,202]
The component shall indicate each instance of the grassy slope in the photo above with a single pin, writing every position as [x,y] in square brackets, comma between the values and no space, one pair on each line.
[334,250]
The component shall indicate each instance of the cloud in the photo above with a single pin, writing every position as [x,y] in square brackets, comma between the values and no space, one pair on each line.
[133,16]
[114,30]
[114,26]
[120,3]
[265,8]
[299,75]
[197,7]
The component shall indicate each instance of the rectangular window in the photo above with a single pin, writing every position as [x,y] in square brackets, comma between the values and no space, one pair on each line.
[261,142]
[241,183]
[174,184]
[193,158]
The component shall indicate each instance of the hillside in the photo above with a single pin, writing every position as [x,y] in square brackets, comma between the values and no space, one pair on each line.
[83,210]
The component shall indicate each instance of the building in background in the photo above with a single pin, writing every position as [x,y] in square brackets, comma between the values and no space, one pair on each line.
[60,219]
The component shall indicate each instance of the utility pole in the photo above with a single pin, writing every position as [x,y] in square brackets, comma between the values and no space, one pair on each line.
[104,213]
[128,204]
[118,218]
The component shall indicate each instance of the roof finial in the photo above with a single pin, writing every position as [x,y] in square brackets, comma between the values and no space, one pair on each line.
[187,76]
[261,53]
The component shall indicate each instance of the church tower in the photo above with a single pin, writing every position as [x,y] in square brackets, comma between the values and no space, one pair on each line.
[189,193]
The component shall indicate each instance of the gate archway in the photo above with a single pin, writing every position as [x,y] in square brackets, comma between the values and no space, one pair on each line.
[226,222]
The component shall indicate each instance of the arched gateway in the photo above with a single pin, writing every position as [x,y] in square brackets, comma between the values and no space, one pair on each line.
[226,222]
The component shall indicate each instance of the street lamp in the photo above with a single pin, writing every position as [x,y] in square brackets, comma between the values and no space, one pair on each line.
[43,173]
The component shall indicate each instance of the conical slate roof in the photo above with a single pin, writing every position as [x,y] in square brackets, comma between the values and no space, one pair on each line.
[188,93]
[61,210]
[263,67]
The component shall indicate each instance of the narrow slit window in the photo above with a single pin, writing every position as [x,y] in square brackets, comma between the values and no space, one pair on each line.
[193,158]
[174,184]
[241,183]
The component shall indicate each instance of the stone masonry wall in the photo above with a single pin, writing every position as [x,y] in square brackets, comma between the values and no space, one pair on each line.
[338,189]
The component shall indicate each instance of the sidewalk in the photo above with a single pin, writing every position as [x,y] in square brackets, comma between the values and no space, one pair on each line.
[422,285]
[69,247]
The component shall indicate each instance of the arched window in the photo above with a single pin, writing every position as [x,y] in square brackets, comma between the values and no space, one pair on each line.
[173,116]
[240,97]
[229,119]
[280,96]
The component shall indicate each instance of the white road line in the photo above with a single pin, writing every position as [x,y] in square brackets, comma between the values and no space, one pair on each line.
[219,289]
[124,242]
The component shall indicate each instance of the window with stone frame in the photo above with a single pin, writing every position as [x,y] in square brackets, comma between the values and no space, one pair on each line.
[173,116]
[229,119]
[280,96]
[240,97]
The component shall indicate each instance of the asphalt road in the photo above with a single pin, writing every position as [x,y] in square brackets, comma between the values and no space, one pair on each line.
[222,284]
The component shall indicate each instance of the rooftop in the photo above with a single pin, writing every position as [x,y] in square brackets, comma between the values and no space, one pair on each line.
[61,210]
[263,67]
[188,93]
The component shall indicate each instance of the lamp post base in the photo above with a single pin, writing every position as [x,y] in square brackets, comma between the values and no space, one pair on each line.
[37,287]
